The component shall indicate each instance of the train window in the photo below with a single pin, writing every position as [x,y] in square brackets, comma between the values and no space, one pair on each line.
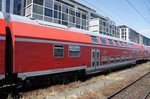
[121,43]
[130,57]
[112,59]
[110,42]
[58,50]
[123,58]
[127,57]
[94,39]
[116,42]
[125,44]
[74,51]
[117,58]
[103,40]
[104,60]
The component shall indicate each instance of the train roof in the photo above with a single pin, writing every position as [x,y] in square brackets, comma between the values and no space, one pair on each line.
[2,24]
[16,18]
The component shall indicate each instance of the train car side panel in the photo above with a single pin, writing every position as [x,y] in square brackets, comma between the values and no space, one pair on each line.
[2,46]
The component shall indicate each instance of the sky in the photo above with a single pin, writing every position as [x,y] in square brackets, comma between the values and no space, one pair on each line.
[122,12]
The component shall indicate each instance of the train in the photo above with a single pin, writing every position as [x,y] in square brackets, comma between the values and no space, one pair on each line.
[31,48]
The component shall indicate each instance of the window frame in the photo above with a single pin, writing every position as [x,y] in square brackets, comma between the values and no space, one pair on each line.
[106,60]
[103,40]
[118,59]
[95,37]
[110,59]
[112,44]
[69,51]
[116,42]
[54,51]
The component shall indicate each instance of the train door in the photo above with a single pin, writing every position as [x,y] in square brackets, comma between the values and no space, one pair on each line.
[95,58]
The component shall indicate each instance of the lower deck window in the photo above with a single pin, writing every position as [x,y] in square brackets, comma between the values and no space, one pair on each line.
[58,50]
[104,60]
[123,58]
[127,58]
[112,59]
[117,58]
[74,51]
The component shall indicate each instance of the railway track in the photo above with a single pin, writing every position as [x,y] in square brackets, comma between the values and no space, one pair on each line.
[147,95]
[134,89]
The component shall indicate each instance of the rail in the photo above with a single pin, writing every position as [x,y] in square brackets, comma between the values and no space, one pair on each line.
[113,95]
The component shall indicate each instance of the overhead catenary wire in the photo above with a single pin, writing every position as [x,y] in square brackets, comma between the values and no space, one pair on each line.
[146,5]
[113,12]
[138,11]
[103,12]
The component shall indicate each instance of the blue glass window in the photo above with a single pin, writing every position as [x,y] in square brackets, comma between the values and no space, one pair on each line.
[55,14]
[121,43]
[116,42]
[94,39]
[103,40]
[110,42]
[48,12]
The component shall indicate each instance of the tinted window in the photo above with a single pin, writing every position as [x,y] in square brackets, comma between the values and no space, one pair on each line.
[110,42]
[125,44]
[112,59]
[37,9]
[74,51]
[38,2]
[48,12]
[94,39]
[104,60]
[122,58]
[58,50]
[117,58]
[121,44]
[49,3]
[103,40]
[116,42]
[72,12]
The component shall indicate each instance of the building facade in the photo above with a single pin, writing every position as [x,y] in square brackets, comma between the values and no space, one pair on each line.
[144,40]
[12,6]
[65,12]
[103,25]
[129,34]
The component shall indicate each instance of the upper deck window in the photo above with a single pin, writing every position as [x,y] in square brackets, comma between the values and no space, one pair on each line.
[121,43]
[116,42]
[94,39]
[110,42]
[103,40]
[125,44]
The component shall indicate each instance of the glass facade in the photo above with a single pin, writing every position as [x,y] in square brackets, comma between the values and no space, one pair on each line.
[129,34]
[57,12]
[7,6]
[0,5]
[104,26]
[17,7]
[12,6]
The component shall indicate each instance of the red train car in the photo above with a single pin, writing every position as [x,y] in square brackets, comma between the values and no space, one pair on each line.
[42,48]
[2,46]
